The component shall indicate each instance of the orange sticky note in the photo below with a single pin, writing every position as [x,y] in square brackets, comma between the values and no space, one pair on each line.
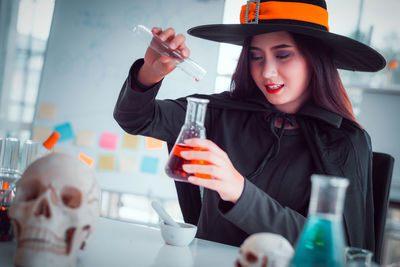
[106,163]
[153,143]
[47,111]
[130,141]
[51,140]
[393,64]
[86,159]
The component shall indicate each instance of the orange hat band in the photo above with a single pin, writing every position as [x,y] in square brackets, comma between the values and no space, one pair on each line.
[286,10]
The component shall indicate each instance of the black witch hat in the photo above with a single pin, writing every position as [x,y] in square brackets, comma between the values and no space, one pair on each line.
[307,17]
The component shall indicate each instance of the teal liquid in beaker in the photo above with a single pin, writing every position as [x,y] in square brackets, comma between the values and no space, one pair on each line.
[321,244]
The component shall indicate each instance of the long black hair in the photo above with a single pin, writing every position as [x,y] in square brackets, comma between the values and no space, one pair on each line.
[327,90]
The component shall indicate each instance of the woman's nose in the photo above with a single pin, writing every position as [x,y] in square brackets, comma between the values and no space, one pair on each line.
[269,70]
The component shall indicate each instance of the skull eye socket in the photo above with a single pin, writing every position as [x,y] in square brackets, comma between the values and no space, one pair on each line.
[71,197]
[29,190]
[250,257]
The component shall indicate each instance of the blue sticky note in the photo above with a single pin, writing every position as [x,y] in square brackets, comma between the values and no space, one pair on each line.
[149,165]
[65,131]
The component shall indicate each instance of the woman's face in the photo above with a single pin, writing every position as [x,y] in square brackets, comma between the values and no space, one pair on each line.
[279,70]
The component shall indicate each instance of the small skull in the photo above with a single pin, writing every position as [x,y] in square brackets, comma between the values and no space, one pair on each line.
[55,211]
[265,250]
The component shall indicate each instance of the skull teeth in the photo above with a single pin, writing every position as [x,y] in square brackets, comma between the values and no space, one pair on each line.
[36,238]
[43,245]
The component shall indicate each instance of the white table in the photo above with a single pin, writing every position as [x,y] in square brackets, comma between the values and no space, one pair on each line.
[118,243]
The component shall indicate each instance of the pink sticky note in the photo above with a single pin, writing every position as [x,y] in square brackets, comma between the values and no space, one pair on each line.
[109,141]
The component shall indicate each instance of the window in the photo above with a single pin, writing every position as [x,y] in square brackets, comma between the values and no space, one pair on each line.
[228,54]
[27,34]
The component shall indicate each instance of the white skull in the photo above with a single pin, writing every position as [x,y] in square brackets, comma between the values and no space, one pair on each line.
[265,250]
[55,210]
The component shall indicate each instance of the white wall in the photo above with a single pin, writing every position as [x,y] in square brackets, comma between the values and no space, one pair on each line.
[379,115]
[90,49]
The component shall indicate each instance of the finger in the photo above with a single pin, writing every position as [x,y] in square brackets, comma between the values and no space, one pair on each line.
[156,30]
[178,41]
[165,59]
[212,184]
[167,34]
[210,157]
[211,170]
[205,143]
[185,52]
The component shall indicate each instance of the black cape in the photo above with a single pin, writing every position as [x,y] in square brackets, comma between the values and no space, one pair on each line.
[339,147]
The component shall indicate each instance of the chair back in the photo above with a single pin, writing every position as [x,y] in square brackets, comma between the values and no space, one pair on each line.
[382,170]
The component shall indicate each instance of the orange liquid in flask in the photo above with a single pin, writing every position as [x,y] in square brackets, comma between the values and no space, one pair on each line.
[175,162]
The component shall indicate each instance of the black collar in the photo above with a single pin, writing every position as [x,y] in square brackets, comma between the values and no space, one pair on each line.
[311,110]
[257,103]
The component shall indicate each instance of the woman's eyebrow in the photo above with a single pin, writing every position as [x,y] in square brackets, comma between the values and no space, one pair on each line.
[272,48]
[280,46]
[254,48]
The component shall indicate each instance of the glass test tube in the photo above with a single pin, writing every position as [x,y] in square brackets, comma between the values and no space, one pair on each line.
[187,65]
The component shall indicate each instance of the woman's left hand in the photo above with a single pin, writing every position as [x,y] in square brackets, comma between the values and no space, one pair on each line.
[226,180]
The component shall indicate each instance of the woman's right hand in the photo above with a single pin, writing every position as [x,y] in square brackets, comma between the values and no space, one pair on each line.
[155,66]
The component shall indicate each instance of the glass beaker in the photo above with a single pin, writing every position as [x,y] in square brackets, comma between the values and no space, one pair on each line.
[187,65]
[358,257]
[10,153]
[192,128]
[6,198]
[32,150]
[322,240]
[9,174]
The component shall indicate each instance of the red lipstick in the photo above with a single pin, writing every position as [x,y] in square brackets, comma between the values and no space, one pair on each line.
[276,88]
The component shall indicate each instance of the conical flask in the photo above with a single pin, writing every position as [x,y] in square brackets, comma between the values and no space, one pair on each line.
[322,240]
[192,128]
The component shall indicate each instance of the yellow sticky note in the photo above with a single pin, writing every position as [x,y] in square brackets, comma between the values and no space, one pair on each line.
[86,159]
[60,150]
[127,163]
[40,134]
[153,143]
[106,163]
[47,111]
[85,138]
[130,141]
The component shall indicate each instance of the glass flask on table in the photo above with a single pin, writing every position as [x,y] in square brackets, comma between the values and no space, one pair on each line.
[192,128]
[322,240]
[13,162]
[9,174]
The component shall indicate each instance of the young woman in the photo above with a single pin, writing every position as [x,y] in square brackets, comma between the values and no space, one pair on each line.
[288,116]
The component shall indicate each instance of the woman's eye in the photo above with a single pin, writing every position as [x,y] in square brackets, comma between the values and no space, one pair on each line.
[283,55]
[255,57]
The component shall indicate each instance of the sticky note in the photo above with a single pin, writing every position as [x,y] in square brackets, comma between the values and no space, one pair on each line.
[130,141]
[85,138]
[51,140]
[127,163]
[40,134]
[65,131]
[149,165]
[153,143]
[105,163]
[86,159]
[60,150]
[109,141]
[47,111]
